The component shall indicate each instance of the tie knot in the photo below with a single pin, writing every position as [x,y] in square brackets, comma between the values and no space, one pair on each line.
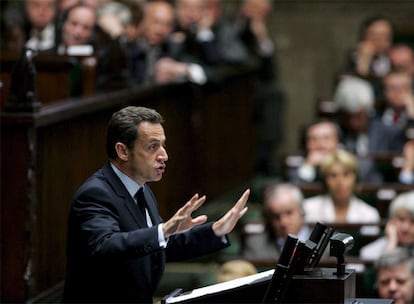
[139,196]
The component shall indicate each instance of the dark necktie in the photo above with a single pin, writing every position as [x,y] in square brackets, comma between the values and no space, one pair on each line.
[141,202]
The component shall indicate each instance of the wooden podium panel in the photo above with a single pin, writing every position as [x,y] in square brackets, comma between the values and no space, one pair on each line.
[322,286]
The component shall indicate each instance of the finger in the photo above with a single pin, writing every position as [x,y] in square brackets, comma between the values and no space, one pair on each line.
[191,201]
[199,220]
[195,205]
[242,200]
[243,212]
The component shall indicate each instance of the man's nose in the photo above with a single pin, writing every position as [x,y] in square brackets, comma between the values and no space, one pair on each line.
[164,154]
[393,285]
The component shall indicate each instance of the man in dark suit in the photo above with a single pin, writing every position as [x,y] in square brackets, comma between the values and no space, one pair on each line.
[117,243]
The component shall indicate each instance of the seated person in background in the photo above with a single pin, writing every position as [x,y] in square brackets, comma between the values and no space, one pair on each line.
[77,29]
[399,230]
[339,204]
[283,213]
[399,99]
[13,37]
[370,57]
[203,40]
[395,276]
[234,269]
[406,175]
[322,138]
[151,41]
[112,17]
[41,26]
[63,5]
[252,27]
[362,133]
[79,32]
[402,57]
[150,58]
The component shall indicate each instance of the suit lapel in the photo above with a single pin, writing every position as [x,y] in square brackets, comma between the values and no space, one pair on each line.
[124,197]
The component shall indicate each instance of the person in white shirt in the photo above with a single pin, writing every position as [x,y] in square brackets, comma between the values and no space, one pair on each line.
[339,204]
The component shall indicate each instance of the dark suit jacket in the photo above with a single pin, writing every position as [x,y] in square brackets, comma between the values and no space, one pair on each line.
[111,255]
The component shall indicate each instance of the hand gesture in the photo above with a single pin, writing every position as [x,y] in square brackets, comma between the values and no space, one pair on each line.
[226,224]
[315,157]
[391,234]
[182,220]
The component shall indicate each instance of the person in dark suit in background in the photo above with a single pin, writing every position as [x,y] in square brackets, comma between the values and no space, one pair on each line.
[117,243]
[322,137]
[395,276]
[252,27]
[363,133]
[283,214]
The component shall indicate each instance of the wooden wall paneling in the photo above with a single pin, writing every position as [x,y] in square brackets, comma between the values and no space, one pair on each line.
[226,143]
[16,211]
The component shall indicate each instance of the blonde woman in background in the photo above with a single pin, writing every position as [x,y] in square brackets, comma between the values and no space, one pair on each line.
[339,204]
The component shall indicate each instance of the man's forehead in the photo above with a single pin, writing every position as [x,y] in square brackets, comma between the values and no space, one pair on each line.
[151,130]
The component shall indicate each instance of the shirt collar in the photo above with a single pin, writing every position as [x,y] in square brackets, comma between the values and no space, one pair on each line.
[131,186]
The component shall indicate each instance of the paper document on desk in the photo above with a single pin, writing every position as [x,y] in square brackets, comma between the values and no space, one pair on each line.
[220,287]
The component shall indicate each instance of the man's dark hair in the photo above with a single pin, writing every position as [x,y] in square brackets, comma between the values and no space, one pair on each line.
[123,126]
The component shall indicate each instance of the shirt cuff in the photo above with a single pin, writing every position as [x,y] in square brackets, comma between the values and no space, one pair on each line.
[196,74]
[161,239]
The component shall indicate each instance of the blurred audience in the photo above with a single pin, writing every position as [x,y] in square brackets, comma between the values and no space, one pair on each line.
[252,27]
[283,214]
[399,230]
[399,98]
[81,38]
[406,175]
[339,204]
[78,25]
[112,17]
[402,57]
[13,36]
[370,57]
[41,24]
[362,132]
[205,40]
[63,5]
[234,269]
[322,138]
[395,276]
[151,56]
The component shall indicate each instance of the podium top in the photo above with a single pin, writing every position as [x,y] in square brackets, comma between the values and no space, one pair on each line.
[220,287]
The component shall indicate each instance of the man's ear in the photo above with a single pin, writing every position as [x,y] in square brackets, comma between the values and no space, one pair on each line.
[122,151]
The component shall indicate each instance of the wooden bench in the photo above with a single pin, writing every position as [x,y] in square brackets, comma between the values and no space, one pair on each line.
[55,76]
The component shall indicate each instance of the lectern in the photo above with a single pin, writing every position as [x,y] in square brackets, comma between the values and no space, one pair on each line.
[317,286]
[294,280]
